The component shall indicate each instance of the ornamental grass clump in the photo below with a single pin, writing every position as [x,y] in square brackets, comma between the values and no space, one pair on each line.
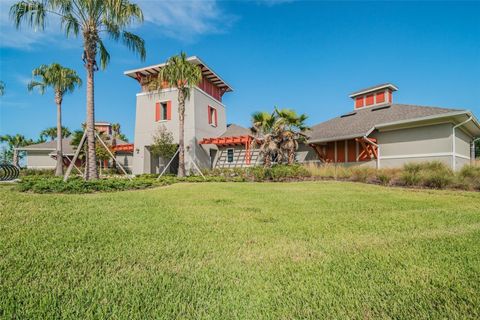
[468,178]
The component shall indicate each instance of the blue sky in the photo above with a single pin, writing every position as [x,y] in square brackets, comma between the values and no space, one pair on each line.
[303,55]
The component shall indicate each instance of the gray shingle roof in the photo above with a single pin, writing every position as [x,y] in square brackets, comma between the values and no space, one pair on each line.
[67,148]
[359,122]
[234,130]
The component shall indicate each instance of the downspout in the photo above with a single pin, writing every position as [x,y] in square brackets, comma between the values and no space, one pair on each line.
[378,150]
[454,165]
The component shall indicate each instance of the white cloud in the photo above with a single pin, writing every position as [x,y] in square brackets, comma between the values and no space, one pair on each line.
[183,20]
[186,20]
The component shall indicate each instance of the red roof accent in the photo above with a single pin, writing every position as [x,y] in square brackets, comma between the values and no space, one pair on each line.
[123,147]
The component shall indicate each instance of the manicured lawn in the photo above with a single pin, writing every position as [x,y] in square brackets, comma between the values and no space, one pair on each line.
[241,251]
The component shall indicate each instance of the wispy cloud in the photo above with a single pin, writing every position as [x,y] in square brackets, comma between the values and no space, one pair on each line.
[183,20]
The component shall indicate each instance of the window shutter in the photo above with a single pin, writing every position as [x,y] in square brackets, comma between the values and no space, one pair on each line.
[216,118]
[209,115]
[169,110]
[157,111]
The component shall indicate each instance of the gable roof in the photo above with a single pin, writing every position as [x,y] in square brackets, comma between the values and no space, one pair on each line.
[362,122]
[388,85]
[234,130]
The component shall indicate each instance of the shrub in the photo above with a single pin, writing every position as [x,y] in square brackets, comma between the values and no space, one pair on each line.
[78,185]
[360,174]
[411,174]
[468,178]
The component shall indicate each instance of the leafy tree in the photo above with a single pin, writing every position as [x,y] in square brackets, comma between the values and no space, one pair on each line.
[13,143]
[62,80]
[291,129]
[163,145]
[51,133]
[91,19]
[179,73]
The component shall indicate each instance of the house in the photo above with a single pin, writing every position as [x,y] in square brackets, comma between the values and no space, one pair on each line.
[377,132]
[43,155]
[205,116]
[382,134]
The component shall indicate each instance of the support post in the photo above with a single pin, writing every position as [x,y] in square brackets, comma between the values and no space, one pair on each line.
[77,152]
[113,157]
[168,164]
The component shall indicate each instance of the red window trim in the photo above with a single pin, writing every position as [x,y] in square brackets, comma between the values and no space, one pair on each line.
[159,113]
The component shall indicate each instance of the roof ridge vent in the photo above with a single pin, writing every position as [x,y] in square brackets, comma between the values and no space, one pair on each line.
[381,107]
[348,114]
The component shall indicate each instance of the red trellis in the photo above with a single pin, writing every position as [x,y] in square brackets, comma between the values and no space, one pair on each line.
[232,141]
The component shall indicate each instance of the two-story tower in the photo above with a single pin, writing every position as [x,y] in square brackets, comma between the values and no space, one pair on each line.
[205,116]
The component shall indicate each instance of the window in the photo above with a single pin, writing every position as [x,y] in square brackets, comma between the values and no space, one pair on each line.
[163,111]
[359,102]
[212,116]
[230,155]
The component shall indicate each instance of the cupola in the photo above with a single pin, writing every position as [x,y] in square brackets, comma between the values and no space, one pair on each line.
[374,96]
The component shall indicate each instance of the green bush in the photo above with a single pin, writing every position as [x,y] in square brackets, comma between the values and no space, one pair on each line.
[78,185]
[433,174]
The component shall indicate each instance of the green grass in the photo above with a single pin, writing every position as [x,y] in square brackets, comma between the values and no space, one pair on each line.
[308,250]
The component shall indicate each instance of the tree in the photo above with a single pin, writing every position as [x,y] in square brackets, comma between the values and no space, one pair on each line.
[51,133]
[91,19]
[2,88]
[266,136]
[163,145]
[117,134]
[291,129]
[62,80]
[15,142]
[179,73]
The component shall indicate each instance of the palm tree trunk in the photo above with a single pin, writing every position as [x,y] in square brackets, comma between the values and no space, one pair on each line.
[291,156]
[15,158]
[181,134]
[59,167]
[267,160]
[91,170]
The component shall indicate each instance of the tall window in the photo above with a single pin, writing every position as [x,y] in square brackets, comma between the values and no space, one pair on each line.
[230,155]
[164,110]
[212,116]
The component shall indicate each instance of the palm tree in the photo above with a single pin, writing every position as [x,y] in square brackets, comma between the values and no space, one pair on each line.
[2,88]
[291,129]
[15,142]
[51,133]
[62,80]
[117,134]
[181,74]
[266,135]
[91,19]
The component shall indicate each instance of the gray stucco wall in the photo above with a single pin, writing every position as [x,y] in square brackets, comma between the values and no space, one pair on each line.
[421,144]
[196,128]
[40,159]
[125,159]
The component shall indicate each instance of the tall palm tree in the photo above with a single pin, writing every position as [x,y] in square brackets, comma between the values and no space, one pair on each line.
[62,80]
[51,133]
[291,129]
[2,88]
[91,19]
[15,142]
[266,135]
[181,74]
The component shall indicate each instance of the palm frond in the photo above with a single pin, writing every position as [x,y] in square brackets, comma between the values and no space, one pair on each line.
[134,43]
